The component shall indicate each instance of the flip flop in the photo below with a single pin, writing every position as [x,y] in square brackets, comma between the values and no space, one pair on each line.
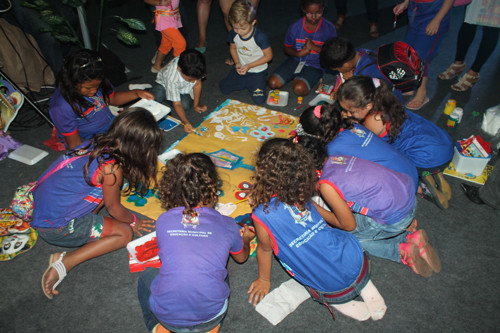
[427,252]
[416,108]
[60,269]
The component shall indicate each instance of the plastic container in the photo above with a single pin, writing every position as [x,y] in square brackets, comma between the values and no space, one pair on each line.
[277,98]
[28,154]
[455,117]
[449,107]
[469,165]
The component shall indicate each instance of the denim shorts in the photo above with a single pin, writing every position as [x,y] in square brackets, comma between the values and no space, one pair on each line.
[347,294]
[76,233]
[286,73]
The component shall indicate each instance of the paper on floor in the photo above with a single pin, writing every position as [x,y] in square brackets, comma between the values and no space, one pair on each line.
[282,301]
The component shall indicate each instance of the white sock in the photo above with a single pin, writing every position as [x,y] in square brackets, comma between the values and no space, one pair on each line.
[374,301]
[354,309]
[139,86]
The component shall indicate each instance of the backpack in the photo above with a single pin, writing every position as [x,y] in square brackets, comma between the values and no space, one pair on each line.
[400,64]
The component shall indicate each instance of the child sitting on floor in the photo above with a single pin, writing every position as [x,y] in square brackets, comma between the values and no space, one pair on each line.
[429,147]
[340,55]
[250,51]
[374,203]
[179,82]
[303,42]
[190,292]
[71,192]
[329,262]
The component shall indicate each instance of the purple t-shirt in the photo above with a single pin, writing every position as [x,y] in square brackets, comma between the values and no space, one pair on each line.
[363,143]
[190,287]
[315,254]
[297,34]
[370,189]
[65,195]
[97,118]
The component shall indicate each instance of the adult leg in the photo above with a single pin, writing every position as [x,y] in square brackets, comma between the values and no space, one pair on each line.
[203,13]
[115,235]
[488,44]
[464,40]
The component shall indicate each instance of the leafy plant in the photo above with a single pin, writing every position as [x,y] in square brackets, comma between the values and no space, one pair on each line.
[63,31]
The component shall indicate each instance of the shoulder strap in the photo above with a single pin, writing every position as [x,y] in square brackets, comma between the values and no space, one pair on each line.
[373,57]
[57,168]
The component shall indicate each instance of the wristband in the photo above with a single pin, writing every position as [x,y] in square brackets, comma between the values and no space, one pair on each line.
[133,222]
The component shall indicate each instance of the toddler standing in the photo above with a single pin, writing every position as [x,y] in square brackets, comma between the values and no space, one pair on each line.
[168,22]
[250,50]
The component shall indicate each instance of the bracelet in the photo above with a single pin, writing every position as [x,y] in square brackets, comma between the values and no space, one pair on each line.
[133,222]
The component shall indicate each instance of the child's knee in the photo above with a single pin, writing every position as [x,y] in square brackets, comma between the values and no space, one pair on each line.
[274,82]
[259,96]
[187,102]
[300,88]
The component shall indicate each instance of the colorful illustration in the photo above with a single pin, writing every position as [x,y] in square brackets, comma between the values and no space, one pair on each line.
[11,101]
[16,236]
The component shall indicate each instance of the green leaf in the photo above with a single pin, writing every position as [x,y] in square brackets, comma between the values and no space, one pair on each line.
[53,19]
[74,3]
[133,23]
[127,37]
[37,5]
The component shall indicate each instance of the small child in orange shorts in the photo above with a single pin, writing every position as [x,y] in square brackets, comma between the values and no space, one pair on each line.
[168,22]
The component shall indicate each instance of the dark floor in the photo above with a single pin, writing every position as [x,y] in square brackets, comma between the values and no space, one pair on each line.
[100,295]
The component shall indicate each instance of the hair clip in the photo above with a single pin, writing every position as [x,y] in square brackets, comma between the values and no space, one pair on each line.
[376,82]
[317,111]
[318,173]
[90,61]
[295,140]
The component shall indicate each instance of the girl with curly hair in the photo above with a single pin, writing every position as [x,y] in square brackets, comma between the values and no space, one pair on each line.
[429,147]
[70,193]
[190,291]
[343,136]
[374,203]
[79,105]
[329,262]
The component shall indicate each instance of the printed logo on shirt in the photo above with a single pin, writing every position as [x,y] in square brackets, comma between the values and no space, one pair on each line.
[359,132]
[337,160]
[299,216]
[189,220]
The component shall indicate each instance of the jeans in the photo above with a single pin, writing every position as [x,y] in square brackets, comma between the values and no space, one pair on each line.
[160,96]
[143,293]
[382,240]
[254,82]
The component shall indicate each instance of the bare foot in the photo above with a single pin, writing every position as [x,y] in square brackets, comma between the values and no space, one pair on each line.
[413,226]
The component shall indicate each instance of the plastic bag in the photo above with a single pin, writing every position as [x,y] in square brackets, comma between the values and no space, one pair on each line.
[491,120]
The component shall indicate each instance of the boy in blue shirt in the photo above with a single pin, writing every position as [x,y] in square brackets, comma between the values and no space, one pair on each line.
[250,50]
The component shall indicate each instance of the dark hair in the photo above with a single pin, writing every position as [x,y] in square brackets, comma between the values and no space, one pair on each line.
[285,169]
[79,67]
[315,147]
[305,3]
[192,64]
[327,126]
[188,181]
[361,90]
[335,52]
[133,141]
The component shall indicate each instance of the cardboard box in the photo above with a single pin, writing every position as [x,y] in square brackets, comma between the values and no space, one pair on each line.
[469,165]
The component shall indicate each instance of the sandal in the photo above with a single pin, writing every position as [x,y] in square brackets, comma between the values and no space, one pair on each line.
[427,252]
[466,82]
[340,22]
[432,193]
[454,69]
[411,257]
[374,30]
[442,185]
[60,269]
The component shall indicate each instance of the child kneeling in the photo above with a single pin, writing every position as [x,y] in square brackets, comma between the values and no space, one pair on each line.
[191,289]
[329,262]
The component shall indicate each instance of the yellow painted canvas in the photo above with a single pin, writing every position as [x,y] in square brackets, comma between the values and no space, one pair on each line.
[231,135]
